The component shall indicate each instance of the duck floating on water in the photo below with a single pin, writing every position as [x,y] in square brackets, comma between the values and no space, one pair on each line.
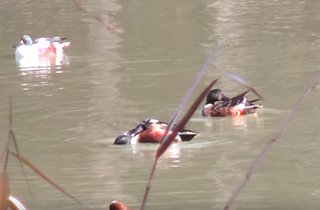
[218,104]
[15,204]
[118,205]
[40,47]
[151,131]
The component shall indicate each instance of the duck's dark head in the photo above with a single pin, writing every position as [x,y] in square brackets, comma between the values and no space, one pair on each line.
[26,39]
[215,95]
[122,139]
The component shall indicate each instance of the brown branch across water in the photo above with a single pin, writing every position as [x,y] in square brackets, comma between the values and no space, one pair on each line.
[92,15]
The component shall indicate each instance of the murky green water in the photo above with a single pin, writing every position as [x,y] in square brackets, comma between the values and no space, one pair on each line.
[140,65]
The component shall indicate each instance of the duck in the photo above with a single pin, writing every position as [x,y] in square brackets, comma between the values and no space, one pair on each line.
[41,47]
[219,105]
[15,204]
[118,205]
[151,131]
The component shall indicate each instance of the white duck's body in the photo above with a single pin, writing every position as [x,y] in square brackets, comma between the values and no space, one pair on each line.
[29,51]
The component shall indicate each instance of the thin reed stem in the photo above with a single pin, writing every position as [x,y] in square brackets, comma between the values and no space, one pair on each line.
[42,175]
[168,139]
[283,124]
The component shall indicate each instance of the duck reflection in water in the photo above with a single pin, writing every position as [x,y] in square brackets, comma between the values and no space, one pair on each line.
[151,131]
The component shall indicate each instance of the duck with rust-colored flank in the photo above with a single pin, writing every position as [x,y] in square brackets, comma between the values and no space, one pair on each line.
[117,205]
[218,104]
[151,131]
[46,47]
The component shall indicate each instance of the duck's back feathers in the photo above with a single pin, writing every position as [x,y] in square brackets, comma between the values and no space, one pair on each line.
[238,98]
[53,39]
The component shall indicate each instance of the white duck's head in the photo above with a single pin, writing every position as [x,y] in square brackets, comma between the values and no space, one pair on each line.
[26,40]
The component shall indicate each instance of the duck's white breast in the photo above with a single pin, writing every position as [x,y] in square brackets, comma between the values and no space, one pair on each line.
[24,51]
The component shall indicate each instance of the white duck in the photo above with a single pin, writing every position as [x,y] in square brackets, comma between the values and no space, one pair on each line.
[32,51]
